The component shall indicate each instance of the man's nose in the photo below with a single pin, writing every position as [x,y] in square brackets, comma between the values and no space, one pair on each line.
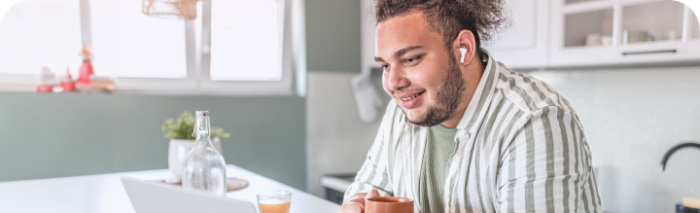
[396,79]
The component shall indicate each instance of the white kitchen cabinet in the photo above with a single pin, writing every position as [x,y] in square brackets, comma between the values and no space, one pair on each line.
[622,33]
[522,43]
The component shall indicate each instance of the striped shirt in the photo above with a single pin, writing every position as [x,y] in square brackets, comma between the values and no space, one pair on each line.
[519,148]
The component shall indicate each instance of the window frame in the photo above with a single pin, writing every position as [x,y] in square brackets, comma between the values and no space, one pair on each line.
[197,46]
[283,86]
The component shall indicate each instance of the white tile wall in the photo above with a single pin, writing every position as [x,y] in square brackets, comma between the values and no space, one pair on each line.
[631,118]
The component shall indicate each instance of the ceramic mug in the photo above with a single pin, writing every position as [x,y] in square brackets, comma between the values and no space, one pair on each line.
[606,40]
[636,37]
[593,39]
[178,150]
[389,205]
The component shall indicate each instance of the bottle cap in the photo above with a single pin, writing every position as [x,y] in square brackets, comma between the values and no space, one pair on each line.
[199,114]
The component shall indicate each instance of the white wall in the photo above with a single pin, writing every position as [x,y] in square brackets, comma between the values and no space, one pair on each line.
[337,141]
[631,118]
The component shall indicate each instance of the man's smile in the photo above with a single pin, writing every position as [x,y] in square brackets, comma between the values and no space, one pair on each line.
[410,100]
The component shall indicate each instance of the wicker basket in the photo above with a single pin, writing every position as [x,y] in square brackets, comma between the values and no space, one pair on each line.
[170,9]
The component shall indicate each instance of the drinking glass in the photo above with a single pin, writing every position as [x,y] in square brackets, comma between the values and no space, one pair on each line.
[276,201]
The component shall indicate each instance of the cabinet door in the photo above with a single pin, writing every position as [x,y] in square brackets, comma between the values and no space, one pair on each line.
[522,43]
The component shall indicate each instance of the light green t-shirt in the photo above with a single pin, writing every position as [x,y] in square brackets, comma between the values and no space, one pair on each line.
[438,149]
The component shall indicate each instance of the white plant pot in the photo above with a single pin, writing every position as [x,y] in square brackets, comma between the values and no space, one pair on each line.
[178,151]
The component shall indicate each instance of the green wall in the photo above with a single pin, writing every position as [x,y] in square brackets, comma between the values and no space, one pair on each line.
[333,35]
[55,135]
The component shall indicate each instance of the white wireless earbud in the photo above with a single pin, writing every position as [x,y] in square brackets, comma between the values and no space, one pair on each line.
[463,52]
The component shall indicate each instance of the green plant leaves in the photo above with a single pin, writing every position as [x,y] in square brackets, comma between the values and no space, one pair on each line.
[183,127]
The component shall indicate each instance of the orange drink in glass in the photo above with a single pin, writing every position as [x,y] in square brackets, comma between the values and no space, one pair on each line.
[277,201]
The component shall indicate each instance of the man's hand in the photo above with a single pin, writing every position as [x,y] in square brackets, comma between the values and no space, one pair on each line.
[356,203]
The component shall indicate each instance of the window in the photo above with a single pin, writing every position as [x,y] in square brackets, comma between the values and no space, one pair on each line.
[246,50]
[233,47]
[36,34]
[253,57]
[127,43]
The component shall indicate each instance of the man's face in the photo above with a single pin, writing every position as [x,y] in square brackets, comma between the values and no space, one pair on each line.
[422,77]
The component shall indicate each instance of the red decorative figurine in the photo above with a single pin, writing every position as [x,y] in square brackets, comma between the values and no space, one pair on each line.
[68,84]
[86,69]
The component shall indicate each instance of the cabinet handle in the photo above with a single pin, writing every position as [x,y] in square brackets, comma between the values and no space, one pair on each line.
[649,52]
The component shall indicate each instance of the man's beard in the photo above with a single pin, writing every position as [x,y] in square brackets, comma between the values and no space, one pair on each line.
[448,97]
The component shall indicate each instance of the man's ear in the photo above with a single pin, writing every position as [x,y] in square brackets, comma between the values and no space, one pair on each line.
[465,42]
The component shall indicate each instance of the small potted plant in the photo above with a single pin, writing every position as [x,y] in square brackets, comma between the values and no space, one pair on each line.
[181,140]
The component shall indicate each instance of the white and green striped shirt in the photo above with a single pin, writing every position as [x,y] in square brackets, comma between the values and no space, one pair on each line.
[519,148]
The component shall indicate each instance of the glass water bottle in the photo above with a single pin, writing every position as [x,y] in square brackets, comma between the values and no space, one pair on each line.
[204,168]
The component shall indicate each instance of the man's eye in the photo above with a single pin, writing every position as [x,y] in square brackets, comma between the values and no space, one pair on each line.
[385,68]
[411,61]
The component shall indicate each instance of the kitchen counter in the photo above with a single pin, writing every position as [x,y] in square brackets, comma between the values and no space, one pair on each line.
[336,185]
[105,193]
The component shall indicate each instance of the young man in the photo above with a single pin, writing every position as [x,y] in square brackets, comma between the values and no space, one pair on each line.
[463,133]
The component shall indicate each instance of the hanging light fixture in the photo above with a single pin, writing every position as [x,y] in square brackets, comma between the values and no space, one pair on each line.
[170,9]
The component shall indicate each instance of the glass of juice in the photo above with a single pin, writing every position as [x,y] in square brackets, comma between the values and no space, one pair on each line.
[276,201]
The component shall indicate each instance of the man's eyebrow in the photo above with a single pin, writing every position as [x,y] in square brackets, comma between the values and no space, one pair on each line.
[399,53]
[403,51]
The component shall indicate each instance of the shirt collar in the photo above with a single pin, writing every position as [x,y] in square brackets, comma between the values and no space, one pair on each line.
[479,104]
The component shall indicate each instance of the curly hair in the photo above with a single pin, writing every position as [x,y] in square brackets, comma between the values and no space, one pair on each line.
[448,17]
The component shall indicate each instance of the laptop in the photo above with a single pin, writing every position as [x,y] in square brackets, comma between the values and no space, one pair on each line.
[150,196]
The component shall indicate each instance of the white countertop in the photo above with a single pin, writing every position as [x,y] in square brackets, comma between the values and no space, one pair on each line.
[335,183]
[105,193]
